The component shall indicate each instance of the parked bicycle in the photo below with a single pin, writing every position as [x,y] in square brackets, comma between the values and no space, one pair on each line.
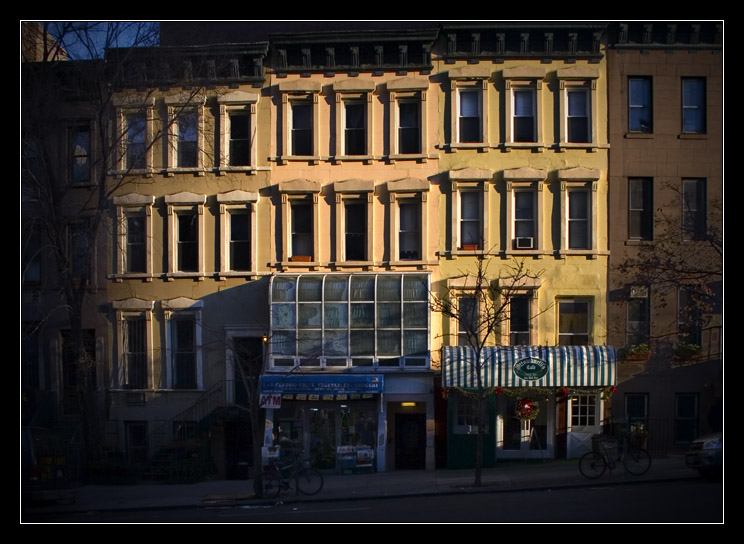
[276,478]
[635,460]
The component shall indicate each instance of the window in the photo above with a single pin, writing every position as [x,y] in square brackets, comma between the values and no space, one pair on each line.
[636,411]
[471,212]
[31,239]
[579,230]
[694,212]
[523,100]
[355,243]
[184,343]
[302,230]
[519,320]
[188,242]
[136,249]
[302,129]
[185,212]
[524,116]
[186,128]
[136,142]
[578,116]
[410,231]
[240,139]
[524,219]
[349,320]
[80,154]
[584,410]
[693,105]
[689,317]
[237,118]
[79,249]
[466,415]
[134,214]
[467,321]
[238,238]
[640,112]
[640,209]
[470,117]
[408,116]
[639,320]
[355,131]
[685,417]
[579,106]
[409,127]
[135,352]
[573,322]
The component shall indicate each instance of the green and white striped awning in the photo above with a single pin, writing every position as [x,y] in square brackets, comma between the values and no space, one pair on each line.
[530,366]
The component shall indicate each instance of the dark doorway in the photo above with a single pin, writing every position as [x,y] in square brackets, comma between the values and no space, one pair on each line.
[410,441]
[238,450]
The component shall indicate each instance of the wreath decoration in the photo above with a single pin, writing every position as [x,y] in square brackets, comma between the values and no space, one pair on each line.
[526,409]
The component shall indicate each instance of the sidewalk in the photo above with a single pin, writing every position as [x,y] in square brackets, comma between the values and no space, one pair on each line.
[506,476]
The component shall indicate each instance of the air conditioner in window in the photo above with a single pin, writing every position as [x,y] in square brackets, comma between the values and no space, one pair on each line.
[524,242]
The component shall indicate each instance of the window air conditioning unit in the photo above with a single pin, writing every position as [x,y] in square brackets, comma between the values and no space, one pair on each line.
[524,242]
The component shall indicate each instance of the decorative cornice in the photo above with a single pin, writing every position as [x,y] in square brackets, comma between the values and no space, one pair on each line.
[299,186]
[407,185]
[470,174]
[525,174]
[354,186]
[237,196]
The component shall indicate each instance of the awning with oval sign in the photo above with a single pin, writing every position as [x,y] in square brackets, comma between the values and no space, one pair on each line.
[530,366]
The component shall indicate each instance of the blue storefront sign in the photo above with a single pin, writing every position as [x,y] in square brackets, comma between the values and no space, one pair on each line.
[321,387]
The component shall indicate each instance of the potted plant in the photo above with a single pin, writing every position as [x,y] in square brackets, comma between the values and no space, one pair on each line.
[686,352]
[638,352]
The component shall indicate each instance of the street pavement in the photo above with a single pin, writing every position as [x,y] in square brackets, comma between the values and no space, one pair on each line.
[506,476]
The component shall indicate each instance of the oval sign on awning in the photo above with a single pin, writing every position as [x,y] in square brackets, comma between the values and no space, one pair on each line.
[530,368]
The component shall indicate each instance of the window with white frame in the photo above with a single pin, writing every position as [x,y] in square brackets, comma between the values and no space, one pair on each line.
[470,209]
[408,234]
[524,210]
[466,415]
[584,411]
[579,202]
[469,101]
[523,106]
[133,318]
[299,204]
[693,105]
[185,213]
[185,131]
[574,322]
[134,219]
[354,209]
[408,116]
[184,343]
[238,145]
[579,103]
[79,153]
[134,128]
[355,129]
[238,225]
[349,320]
[300,129]
[186,128]
[354,118]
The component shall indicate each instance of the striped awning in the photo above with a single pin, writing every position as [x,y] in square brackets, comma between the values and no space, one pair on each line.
[530,366]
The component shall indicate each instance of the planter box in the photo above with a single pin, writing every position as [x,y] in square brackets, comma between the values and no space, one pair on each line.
[470,247]
[301,258]
[637,356]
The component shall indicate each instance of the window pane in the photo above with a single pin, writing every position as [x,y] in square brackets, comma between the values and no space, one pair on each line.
[336,288]
[80,143]
[693,105]
[135,134]
[363,316]
[578,115]
[362,342]
[470,226]
[415,288]
[356,231]
[240,241]
[408,123]
[470,122]
[410,235]
[336,316]
[136,249]
[415,315]
[336,344]
[283,289]
[388,315]
[240,140]
[388,343]
[640,105]
[302,129]
[302,231]
[187,127]
[362,288]
[188,245]
[355,129]
[308,316]
[524,116]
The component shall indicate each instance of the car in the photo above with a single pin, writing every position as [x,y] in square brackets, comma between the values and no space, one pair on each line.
[44,468]
[705,455]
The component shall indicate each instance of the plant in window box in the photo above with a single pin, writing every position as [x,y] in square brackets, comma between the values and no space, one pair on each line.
[687,352]
[638,352]
[470,247]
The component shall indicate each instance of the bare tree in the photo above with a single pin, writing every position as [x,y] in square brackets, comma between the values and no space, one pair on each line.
[479,317]
[71,167]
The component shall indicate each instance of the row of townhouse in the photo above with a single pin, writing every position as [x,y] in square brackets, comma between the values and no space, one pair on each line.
[292,206]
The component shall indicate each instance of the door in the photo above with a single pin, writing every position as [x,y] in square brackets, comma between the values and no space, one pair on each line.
[410,441]
[525,438]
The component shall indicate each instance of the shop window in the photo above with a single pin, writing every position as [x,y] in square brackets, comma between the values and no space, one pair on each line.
[640,105]
[584,411]
[640,209]
[574,322]
[693,105]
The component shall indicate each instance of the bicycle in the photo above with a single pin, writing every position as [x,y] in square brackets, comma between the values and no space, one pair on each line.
[636,460]
[276,478]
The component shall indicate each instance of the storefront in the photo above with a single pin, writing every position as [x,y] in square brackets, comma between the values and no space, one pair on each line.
[545,401]
[351,421]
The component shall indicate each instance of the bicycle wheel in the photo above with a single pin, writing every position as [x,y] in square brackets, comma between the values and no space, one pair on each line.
[637,461]
[268,484]
[309,481]
[592,465]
